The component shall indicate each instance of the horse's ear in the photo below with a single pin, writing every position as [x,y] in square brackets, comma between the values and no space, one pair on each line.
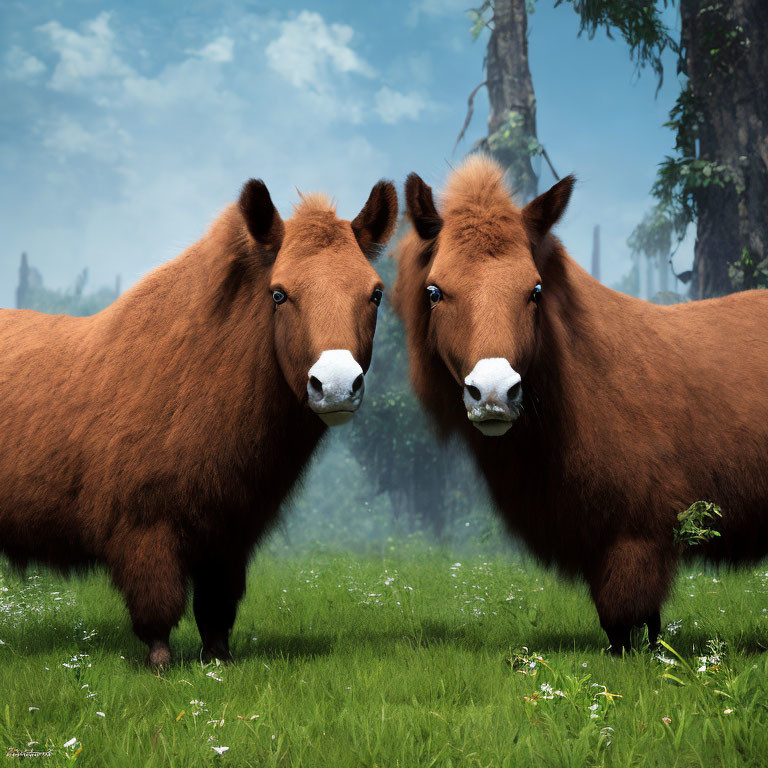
[374,225]
[421,208]
[261,217]
[541,214]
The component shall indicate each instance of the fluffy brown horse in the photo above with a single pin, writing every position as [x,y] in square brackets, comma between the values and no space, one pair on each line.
[160,436]
[595,417]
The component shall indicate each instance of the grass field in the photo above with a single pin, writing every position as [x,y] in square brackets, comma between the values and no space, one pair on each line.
[408,658]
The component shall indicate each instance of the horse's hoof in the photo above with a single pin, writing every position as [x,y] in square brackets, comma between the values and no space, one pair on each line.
[159,658]
[212,654]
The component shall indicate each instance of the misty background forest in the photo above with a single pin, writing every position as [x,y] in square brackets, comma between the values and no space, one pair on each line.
[697,228]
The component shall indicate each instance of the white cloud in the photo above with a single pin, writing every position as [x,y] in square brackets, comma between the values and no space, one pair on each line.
[314,56]
[84,56]
[20,65]
[66,137]
[121,143]
[309,53]
[393,106]
[219,50]
[141,154]
[89,63]
[195,84]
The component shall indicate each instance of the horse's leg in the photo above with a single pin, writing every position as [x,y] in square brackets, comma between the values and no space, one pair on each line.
[218,587]
[147,569]
[619,637]
[629,587]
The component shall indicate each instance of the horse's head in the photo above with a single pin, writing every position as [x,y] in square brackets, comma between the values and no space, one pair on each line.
[470,285]
[324,291]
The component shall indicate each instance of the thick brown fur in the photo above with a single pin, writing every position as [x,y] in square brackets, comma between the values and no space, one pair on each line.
[160,436]
[632,411]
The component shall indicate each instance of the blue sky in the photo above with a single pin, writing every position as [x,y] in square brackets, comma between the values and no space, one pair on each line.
[127,126]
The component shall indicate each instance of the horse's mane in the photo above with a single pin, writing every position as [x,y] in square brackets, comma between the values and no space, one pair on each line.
[478,183]
[314,222]
[314,202]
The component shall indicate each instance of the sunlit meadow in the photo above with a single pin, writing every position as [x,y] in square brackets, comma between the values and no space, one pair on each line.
[402,656]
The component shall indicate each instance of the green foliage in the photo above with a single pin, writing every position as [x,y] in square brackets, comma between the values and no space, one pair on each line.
[726,40]
[398,657]
[684,174]
[652,237]
[56,302]
[747,273]
[695,524]
[73,301]
[480,18]
[639,22]
[514,147]
[641,26]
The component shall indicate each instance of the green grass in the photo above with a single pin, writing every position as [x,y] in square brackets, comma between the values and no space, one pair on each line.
[407,659]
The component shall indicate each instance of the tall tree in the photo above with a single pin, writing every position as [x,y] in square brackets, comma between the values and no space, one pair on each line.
[717,177]
[596,252]
[512,137]
[22,289]
[512,118]
[725,56]
[652,239]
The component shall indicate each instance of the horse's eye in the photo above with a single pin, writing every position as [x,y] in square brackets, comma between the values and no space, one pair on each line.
[536,295]
[278,296]
[435,294]
[376,298]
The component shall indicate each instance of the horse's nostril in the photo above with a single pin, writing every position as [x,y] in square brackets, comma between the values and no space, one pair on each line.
[473,391]
[357,383]
[514,391]
[316,384]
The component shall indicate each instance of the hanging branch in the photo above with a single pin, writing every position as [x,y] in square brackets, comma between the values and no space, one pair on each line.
[549,163]
[470,112]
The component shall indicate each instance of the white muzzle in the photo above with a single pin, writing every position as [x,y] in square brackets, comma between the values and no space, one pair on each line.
[335,386]
[493,396]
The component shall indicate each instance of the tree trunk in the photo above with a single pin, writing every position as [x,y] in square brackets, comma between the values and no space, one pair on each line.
[650,268]
[596,252]
[22,291]
[663,273]
[726,60]
[512,120]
